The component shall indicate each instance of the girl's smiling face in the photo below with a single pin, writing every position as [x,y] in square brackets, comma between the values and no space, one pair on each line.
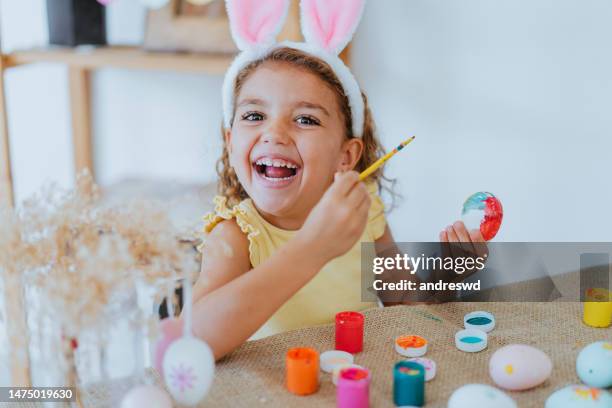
[287,140]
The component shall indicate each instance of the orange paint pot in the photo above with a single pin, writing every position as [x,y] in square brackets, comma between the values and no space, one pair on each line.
[302,370]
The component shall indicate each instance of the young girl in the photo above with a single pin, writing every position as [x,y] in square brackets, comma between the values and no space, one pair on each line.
[283,244]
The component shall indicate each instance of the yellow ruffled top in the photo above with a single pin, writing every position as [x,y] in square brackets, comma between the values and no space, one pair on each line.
[336,288]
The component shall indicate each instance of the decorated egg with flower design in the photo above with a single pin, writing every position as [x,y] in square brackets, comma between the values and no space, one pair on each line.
[188,367]
[170,331]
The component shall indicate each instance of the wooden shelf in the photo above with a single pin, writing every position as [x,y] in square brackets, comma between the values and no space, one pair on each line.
[89,57]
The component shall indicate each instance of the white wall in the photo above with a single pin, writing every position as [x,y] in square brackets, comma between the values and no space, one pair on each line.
[512,97]
[39,121]
[153,124]
[146,124]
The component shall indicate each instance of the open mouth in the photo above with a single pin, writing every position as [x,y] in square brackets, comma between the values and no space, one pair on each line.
[276,169]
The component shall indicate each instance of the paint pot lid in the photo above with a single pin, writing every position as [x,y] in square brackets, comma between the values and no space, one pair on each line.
[428,364]
[334,358]
[479,320]
[410,345]
[471,340]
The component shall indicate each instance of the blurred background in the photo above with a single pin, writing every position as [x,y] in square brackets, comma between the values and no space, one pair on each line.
[511,97]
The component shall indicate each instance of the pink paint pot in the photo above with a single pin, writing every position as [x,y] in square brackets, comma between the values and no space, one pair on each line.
[169,331]
[353,388]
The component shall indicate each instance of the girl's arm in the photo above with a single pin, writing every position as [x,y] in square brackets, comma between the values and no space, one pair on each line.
[232,300]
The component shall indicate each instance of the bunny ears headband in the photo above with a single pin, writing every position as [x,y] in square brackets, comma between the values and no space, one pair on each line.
[327,26]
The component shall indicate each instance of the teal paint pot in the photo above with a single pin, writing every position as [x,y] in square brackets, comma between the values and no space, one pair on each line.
[408,384]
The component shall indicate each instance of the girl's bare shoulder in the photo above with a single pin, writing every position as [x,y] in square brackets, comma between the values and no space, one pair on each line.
[227,236]
[227,242]
[225,256]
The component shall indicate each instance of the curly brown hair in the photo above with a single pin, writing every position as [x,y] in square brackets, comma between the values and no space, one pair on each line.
[229,185]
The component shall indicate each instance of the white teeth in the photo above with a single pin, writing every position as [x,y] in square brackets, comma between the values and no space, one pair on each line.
[265,162]
[276,178]
[275,163]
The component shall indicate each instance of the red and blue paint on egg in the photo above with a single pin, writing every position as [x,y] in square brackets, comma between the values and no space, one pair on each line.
[483,210]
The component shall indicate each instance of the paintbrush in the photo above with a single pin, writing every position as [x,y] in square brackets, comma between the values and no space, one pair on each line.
[378,163]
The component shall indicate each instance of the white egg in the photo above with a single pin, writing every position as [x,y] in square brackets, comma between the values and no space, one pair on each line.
[519,367]
[146,396]
[189,367]
[480,396]
[154,4]
[594,364]
[579,396]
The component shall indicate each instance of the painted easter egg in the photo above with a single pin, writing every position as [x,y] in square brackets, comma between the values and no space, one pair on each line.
[519,367]
[480,396]
[594,364]
[146,396]
[154,4]
[169,330]
[189,367]
[579,396]
[483,211]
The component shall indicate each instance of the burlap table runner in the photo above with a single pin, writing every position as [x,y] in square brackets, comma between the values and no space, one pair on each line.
[254,374]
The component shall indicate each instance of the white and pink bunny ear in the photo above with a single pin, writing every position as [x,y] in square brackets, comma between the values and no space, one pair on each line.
[327,26]
[330,24]
[256,23]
